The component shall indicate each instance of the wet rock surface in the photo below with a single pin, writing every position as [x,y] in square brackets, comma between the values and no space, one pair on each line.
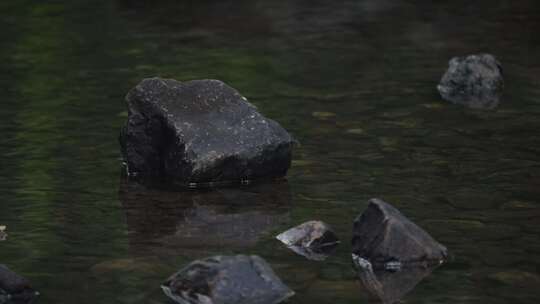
[382,235]
[201,132]
[313,239]
[145,266]
[516,278]
[475,81]
[14,288]
[227,280]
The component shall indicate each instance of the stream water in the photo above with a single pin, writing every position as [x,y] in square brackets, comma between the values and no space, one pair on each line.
[353,81]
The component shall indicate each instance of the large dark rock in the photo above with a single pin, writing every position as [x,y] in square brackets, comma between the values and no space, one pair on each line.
[387,239]
[475,81]
[200,132]
[14,288]
[227,280]
[313,239]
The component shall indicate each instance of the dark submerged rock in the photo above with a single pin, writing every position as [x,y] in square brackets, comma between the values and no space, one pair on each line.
[475,81]
[384,237]
[314,239]
[389,285]
[14,288]
[227,280]
[200,132]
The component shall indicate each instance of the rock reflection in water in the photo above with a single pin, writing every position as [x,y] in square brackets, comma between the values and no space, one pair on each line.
[199,220]
[390,286]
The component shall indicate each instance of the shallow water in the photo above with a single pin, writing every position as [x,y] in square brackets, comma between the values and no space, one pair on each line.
[353,81]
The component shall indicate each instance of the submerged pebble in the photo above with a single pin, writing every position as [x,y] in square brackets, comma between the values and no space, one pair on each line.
[142,265]
[356,131]
[436,105]
[519,205]
[323,115]
[516,278]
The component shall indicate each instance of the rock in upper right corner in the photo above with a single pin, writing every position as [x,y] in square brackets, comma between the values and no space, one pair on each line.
[475,81]
[382,234]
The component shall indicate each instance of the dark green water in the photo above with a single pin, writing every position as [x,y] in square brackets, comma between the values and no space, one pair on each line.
[353,81]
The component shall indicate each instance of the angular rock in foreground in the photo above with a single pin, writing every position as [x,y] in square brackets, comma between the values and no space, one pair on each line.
[227,280]
[313,239]
[387,239]
[475,81]
[200,132]
[14,288]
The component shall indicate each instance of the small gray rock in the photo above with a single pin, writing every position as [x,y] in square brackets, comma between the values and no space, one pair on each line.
[475,81]
[14,288]
[382,235]
[312,239]
[227,280]
[200,132]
